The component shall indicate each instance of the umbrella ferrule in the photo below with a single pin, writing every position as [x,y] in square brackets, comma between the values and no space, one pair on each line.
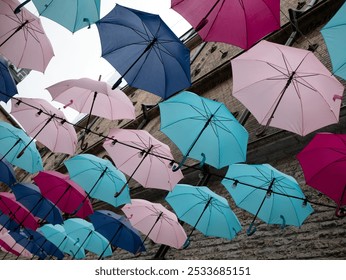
[270,191]
[290,80]
[21,26]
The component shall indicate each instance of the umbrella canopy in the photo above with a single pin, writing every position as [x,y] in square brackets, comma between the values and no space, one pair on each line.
[286,87]
[98,177]
[334,36]
[16,211]
[85,233]
[57,235]
[8,223]
[8,87]
[7,174]
[12,142]
[45,123]
[118,231]
[142,48]
[204,210]
[156,222]
[142,157]
[203,129]
[267,193]
[236,22]
[64,193]
[24,30]
[323,163]
[31,197]
[9,244]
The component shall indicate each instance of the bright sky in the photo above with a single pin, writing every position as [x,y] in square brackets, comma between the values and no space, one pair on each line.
[79,55]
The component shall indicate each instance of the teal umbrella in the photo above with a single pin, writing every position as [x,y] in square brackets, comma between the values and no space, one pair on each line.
[334,35]
[99,178]
[203,129]
[267,193]
[85,233]
[12,142]
[204,210]
[71,14]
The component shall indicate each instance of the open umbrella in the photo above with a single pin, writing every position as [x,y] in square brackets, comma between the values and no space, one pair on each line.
[118,230]
[237,22]
[94,98]
[142,48]
[85,233]
[31,197]
[323,163]
[7,174]
[8,87]
[64,193]
[16,211]
[45,123]
[24,30]
[9,244]
[334,36]
[57,235]
[286,87]
[204,210]
[8,223]
[267,193]
[203,129]
[142,157]
[73,15]
[98,177]
[156,222]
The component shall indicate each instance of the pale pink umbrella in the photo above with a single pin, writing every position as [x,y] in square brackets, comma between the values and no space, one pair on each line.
[22,38]
[156,222]
[142,157]
[94,98]
[45,123]
[237,22]
[9,245]
[286,87]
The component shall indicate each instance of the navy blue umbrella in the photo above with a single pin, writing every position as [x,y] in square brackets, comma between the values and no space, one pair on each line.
[7,85]
[118,230]
[145,51]
[7,175]
[8,223]
[30,196]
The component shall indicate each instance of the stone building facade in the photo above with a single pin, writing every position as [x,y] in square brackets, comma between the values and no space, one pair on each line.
[322,236]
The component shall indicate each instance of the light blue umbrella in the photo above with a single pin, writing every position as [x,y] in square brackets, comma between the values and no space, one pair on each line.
[334,35]
[72,14]
[267,193]
[12,142]
[57,235]
[204,210]
[203,129]
[99,178]
[7,174]
[84,232]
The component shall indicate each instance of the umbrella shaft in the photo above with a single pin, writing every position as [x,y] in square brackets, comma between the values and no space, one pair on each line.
[110,242]
[17,30]
[199,218]
[157,219]
[91,109]
[14,145]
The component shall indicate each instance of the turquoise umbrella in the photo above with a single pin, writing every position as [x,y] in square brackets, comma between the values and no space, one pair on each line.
[84,232]
[267,193]
[204,210]
[203,129]
[12,142]
[334,35]
[99,178]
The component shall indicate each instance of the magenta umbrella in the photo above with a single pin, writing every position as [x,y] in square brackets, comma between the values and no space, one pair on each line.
[323,162]
[237,22]
[142,157]
[286,87]
[16,211]
[65,193]
[156,222]
[22,38]
[45,123]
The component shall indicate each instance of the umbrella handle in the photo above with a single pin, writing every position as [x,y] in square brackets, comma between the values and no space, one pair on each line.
[177,167]
[87,21]
[186,243]
[17,10]
[340,212]
[283,225]
[251,230]
[83,145]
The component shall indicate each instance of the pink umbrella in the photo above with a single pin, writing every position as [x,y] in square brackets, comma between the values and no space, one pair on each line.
[142,157]
[237,22]
[45,123]
[65,193]
[9,245]
[286,87]
[154,220]
[16,211]
[93,97]
[22,38]
[323,162]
